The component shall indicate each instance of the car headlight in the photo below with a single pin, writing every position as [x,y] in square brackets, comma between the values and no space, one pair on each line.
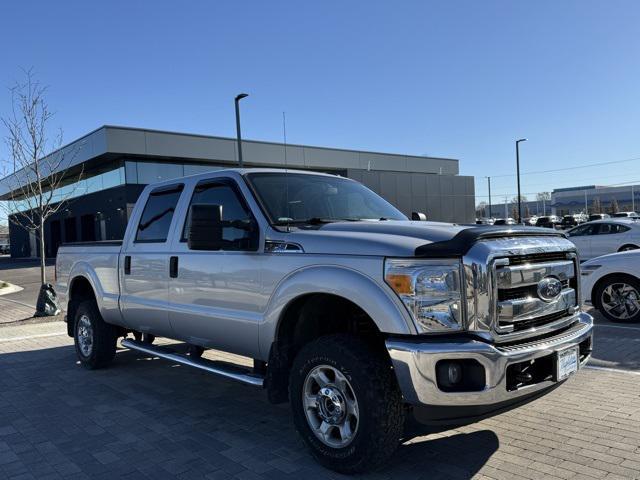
[431,290]
[588,269]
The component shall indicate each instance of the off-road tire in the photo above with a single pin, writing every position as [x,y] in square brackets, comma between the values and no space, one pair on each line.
[104,337]
[381,410]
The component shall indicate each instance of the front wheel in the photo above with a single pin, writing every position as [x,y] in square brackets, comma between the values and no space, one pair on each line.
[618,298]
[346,403]
[94,339]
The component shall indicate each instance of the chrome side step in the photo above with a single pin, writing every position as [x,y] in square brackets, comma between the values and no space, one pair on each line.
[206,365]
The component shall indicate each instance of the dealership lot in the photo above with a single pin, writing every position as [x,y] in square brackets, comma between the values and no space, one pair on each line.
[146,418]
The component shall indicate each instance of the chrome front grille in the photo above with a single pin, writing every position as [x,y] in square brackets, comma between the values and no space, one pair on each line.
[519,307]
[501,279]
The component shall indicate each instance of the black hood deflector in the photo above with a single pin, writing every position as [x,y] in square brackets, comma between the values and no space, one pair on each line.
[462,242]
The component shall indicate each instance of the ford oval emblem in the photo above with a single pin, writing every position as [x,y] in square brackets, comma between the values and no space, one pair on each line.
[549,289]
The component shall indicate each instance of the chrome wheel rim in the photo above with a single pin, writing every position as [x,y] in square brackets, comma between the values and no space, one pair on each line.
[620,300]
[85,335]
[330,406]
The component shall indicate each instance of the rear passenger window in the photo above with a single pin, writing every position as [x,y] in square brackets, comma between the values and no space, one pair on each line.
[233,208]
[158,213]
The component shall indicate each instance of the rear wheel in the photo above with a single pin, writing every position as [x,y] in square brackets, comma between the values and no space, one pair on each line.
[346,403]
[618,298]
[626,248]
[94,339]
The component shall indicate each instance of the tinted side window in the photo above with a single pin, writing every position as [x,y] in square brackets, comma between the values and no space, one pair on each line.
[158,212]
[609,228]
[580,231]
[619,228]
[233,208]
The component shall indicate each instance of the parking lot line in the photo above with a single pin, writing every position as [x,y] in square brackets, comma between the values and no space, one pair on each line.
[615,370]
[29,337]
[621,327]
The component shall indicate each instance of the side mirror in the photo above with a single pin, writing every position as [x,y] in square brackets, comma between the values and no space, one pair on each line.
[205,227]
[419,216]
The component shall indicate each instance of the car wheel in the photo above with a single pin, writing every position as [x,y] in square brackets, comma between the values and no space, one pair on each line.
[94,339]
[346,403]
[618,298]
[626,248]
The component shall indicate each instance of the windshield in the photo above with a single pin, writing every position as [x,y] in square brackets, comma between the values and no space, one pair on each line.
[303,198]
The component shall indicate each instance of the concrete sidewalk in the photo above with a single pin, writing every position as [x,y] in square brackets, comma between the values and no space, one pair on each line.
[20,306]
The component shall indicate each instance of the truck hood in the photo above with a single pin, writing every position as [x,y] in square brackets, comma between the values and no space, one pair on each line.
[405,238]
[378,238]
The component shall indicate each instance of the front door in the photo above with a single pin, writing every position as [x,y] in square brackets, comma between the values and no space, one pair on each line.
[144,264]
[581,237]
[215,298]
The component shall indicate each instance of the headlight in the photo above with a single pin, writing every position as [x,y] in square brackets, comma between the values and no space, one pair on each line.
[431,291]
[588,269]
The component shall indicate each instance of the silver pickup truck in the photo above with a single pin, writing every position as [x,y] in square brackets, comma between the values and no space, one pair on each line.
[363,320]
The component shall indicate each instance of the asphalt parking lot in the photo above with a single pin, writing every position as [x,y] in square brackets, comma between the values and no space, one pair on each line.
[148,418]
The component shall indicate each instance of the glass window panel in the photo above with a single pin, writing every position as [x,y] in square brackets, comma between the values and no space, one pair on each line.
[195,169]
[86,185]
[131,171]
[157,172]
[232,209]
[157,215]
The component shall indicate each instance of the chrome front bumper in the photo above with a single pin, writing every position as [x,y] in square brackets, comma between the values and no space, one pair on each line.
[414,362]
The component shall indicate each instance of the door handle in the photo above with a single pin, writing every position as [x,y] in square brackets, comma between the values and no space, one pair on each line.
[173,267]
[127,265]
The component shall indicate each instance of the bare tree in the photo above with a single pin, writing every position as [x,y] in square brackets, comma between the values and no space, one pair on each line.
[38,166]
[596,206]
[613,206]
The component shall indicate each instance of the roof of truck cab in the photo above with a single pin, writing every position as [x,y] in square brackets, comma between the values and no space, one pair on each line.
[242,172]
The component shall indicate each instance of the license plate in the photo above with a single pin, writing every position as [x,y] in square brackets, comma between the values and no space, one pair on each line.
[567,362]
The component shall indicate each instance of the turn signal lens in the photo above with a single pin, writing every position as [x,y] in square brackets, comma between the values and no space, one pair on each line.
[401,284]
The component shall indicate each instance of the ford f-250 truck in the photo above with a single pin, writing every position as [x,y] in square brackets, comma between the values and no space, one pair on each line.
[357,316]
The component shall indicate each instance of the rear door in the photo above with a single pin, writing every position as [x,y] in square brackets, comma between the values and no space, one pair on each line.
[144,263]
[215,297]
[609,238]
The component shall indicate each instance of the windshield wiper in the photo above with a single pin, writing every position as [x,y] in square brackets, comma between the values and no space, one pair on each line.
[314,221]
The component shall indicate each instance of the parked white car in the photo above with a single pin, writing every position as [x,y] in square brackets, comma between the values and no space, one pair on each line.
[601,237]
[611,284]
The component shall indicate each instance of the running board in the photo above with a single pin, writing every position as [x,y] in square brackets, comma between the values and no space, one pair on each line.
[206,365]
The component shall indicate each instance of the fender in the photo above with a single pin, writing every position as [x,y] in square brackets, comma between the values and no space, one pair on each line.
[378,301]
[108,303]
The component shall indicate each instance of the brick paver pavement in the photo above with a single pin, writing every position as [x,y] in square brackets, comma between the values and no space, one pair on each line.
[145,418]
[12,311]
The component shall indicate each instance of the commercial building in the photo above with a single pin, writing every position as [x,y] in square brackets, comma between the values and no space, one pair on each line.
[590,198]
[111,166]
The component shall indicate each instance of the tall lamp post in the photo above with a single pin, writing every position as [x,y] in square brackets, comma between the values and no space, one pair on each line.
[489,184]
[237,102]
[518,174]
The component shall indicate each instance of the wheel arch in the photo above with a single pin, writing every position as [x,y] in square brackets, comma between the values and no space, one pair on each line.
[318,301]
[628,246]
[80,288]
[383,307]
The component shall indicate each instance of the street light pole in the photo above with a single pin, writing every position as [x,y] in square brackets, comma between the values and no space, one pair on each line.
[237,102]
[489,183]
[518,174]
